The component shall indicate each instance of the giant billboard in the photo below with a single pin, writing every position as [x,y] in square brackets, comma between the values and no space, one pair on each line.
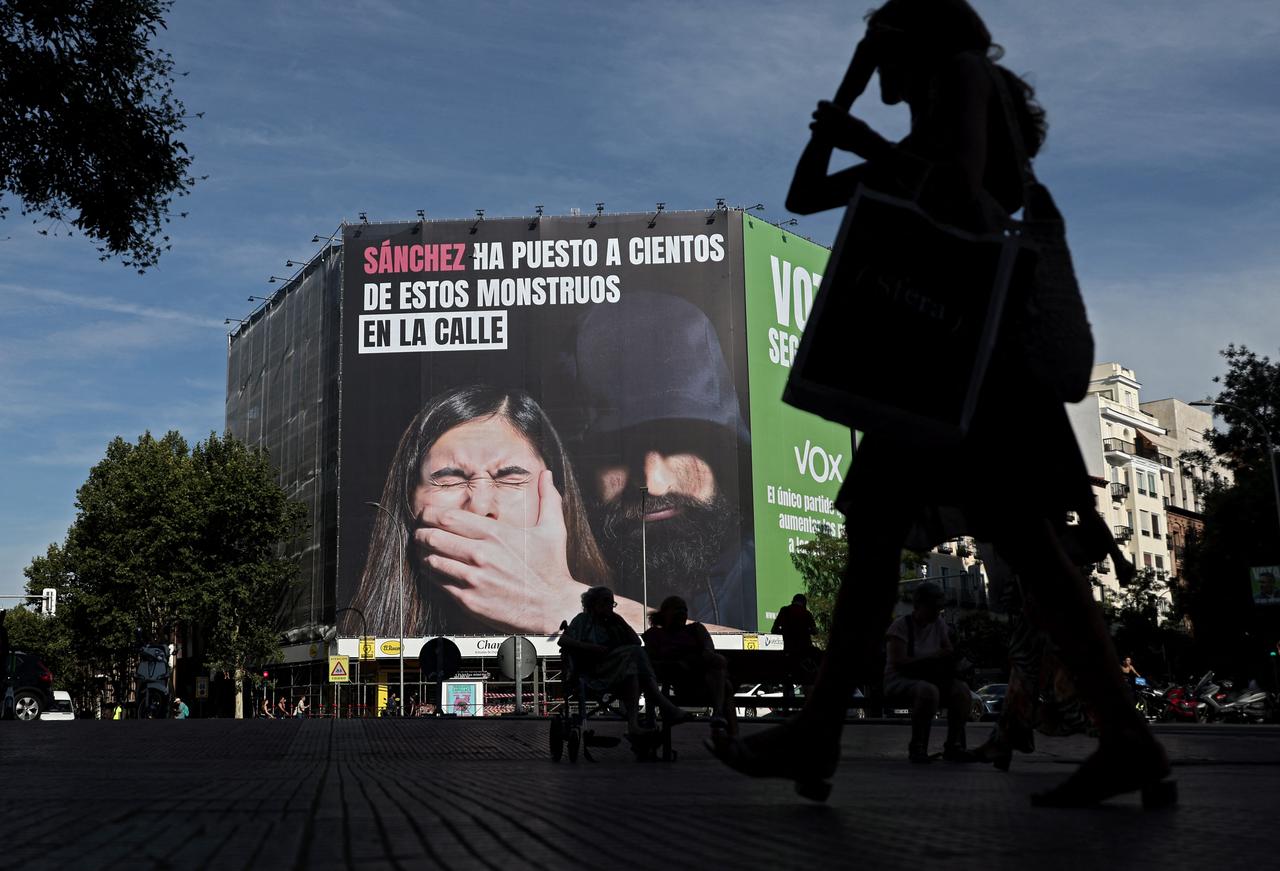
[798,460]
[533,407]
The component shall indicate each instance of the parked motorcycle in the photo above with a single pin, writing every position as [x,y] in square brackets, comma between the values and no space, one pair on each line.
[1183,704]
[1224,702]
[1147,699]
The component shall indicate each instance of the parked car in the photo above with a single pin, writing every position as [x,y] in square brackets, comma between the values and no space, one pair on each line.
[977,709]
[992,696]
[60,708]
[32,684]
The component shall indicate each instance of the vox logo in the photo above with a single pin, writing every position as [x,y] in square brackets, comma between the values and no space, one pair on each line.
[814,461]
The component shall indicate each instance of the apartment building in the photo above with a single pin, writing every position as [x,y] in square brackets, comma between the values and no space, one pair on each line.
[1144,489]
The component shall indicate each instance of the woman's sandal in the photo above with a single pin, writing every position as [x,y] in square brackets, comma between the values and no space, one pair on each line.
[812,779]
[1101,777]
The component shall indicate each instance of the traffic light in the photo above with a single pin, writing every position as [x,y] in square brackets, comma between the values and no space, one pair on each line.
[265,674]
[49,601]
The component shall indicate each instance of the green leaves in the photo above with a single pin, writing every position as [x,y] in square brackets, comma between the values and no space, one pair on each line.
[821,563]
[89,120]
[1241,528]
[170,543]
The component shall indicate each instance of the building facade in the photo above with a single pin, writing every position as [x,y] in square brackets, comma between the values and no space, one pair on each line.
[1145,487]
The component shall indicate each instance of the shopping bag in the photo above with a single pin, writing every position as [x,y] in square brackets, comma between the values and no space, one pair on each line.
[903,325]
[1048,314]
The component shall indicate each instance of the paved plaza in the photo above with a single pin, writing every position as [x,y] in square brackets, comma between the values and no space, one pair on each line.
[485,794]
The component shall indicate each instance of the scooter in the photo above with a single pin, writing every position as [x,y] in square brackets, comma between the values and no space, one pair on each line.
[1224,702]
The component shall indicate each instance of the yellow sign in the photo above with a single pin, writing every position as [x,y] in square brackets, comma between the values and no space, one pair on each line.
[339,669]
[202,687]
[751,642]
[368,647]
[390,648]
[312,651]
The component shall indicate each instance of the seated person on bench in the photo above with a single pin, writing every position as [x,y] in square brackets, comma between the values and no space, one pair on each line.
[608,654]
[685,651]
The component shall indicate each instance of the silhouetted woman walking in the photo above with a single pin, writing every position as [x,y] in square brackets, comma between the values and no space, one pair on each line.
[959,164]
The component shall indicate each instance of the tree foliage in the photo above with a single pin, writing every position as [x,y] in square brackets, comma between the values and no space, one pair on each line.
[169,542]
[821,563]
[244,518]
[1251,411]
[89,120]
[1241,524]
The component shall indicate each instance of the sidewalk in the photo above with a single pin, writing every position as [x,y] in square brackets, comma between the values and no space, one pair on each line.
[484,794]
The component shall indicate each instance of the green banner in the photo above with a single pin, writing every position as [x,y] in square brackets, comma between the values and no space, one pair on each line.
[798,460]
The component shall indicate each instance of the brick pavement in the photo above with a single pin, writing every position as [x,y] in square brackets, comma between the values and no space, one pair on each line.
[484,794]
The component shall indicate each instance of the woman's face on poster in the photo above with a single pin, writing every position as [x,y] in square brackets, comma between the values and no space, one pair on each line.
[484,466]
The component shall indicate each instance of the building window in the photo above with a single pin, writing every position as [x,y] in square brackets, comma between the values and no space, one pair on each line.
[1155,525]
[1146,560]
[1160,562]
[1151,479]
[1145,518]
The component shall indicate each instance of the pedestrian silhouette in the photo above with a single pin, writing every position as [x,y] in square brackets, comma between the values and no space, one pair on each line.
[1006,344]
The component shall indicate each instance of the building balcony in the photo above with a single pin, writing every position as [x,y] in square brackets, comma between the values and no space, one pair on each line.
[1119,492]
[1123,533]
[1119,446]
[1148,451]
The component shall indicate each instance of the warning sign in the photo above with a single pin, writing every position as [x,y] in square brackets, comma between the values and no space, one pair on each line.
[751,642]
[368,647]
[339,669]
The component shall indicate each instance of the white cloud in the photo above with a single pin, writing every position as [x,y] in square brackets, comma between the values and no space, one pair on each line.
[48,296]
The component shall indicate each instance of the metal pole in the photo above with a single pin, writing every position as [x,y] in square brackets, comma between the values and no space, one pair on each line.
[400,704]
[644,557]
[399,569]
[518,709]
[1275,482]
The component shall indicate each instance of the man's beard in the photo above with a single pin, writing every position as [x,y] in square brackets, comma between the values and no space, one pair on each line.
[680,550]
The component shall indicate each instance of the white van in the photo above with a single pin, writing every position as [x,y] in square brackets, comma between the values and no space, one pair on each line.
[61,709]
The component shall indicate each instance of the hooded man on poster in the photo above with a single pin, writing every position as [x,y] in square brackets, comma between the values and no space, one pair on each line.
[661,445]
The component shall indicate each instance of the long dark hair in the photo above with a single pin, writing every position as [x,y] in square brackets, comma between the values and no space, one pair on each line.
[934,30]
[390,566]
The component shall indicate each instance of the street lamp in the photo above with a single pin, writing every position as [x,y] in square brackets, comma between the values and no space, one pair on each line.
[400,569]
[1266,436]
[644,556]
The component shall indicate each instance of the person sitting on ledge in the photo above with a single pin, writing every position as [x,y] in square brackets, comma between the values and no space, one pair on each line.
[920,670]
[684,650]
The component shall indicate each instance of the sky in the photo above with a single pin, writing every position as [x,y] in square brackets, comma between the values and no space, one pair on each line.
[1164,126]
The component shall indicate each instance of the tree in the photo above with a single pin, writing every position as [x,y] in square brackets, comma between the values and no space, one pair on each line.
[1241,528]
[89,120]
[244,517]
[169,541]
[130,551]
[821,563]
